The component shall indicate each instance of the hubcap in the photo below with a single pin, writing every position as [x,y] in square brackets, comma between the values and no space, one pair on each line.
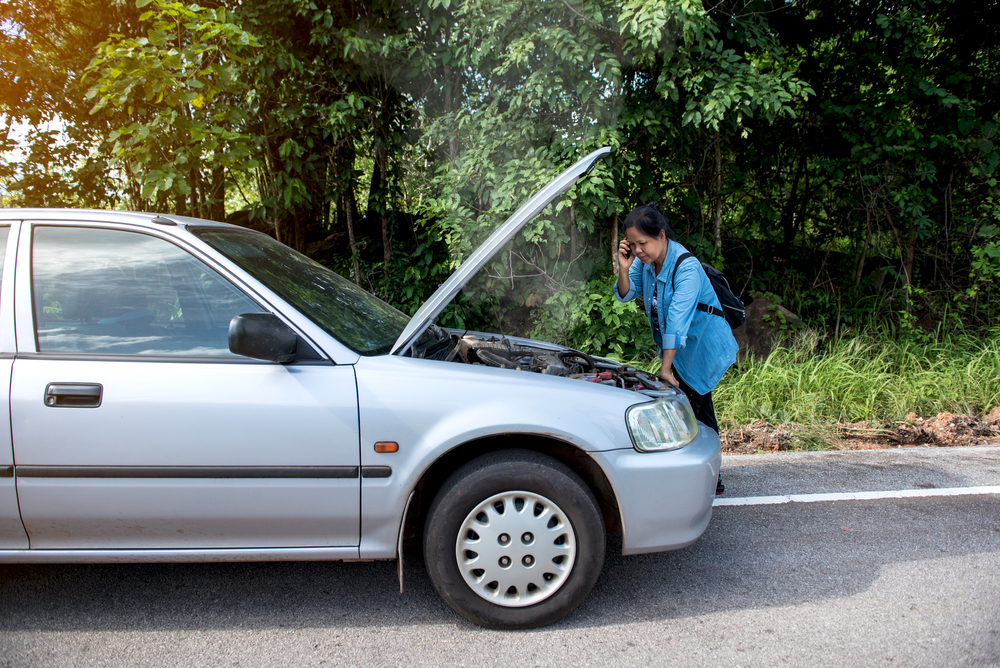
[516,549]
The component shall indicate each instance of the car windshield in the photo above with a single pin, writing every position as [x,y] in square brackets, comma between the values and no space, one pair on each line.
[362,322]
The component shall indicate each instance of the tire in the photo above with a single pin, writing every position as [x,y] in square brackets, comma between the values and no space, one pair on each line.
[514,540]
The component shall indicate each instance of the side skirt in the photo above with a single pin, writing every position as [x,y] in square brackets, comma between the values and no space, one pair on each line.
[179,556]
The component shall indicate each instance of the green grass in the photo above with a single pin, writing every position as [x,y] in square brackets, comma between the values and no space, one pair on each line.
[870,377]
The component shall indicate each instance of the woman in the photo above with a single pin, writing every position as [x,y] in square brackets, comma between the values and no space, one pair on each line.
[696,347]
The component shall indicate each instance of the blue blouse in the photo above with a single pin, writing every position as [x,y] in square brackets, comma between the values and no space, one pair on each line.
[704,342]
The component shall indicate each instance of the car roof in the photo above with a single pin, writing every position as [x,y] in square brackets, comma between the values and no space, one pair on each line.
[145,219]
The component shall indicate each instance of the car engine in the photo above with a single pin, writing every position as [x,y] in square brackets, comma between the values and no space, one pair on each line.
[505,353]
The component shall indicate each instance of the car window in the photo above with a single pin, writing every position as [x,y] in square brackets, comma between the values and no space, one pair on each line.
[362,322]
[116,292]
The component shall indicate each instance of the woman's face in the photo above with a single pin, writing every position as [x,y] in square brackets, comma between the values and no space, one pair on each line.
[647,249]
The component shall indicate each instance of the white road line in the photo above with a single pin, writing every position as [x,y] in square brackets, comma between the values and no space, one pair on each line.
[853,496]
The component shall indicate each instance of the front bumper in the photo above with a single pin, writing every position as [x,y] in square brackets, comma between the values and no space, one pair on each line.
[665,498]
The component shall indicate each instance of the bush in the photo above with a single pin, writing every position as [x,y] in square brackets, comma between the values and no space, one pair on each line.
[986,262]
[589,318]
[870,377]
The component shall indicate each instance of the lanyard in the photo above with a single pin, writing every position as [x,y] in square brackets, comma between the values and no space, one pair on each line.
[654,319]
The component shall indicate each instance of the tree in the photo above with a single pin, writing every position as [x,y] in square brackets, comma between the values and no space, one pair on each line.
[388,138]
[890,160]
[45,46]
[546,81]
[176,99]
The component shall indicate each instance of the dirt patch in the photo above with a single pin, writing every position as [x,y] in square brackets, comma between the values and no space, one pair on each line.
[943,430]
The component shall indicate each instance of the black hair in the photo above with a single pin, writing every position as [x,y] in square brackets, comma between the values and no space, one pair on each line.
[649,220]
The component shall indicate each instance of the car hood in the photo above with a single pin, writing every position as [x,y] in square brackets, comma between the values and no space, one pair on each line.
[426,314]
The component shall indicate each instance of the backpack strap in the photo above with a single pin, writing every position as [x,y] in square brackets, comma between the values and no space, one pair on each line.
[673,276]
[711,310]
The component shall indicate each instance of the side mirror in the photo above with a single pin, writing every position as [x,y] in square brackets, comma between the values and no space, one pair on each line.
[262,336]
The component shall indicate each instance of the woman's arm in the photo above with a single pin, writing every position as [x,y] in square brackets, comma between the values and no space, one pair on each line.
[666,373]
[625,260]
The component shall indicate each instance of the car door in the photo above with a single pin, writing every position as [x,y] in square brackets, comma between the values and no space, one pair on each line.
[11,531]
[133,425]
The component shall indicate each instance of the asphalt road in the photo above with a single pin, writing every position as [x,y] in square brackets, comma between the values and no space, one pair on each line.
[893,582]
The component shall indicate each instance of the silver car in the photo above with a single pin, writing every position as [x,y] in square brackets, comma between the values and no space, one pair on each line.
[184,390]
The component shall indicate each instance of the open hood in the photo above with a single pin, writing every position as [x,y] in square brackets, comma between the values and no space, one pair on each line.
[425,315]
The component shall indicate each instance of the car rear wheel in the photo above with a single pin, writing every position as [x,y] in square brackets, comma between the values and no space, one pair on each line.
[513,540]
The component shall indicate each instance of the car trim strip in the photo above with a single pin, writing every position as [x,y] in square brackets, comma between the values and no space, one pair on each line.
[179,555]
[376,471]
[7,472]
[176,359]
[187,471]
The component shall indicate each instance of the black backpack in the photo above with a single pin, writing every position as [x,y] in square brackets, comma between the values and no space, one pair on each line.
[732,307]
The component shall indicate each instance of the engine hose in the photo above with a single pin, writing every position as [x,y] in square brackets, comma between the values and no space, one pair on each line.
[453,353]
[492,359]
[571,354]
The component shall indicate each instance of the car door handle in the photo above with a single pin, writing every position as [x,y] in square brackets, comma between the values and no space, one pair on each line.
[73,395]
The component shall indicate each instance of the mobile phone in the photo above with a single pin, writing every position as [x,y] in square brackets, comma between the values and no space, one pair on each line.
[628,253]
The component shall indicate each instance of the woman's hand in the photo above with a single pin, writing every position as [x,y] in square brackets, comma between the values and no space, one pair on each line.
[625,259]
[669,377]
[625,256]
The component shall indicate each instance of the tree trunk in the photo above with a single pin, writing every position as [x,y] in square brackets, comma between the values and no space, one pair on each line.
[949,217]
[449,106]
[614,243]
[910,252]
[180,205]
[788,213]
[379,194]
[217,195]
[378,200]
[907,249]
[574,232]
[863,257]
[386,244]
[350,236]
[717,223]
[299,218]
[194,181]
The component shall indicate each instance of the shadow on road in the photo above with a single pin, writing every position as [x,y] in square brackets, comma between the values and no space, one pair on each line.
[750,558]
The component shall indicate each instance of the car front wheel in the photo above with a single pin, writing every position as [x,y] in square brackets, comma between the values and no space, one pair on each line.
[513,540]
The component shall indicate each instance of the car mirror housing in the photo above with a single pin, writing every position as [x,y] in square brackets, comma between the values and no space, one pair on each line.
[262,336]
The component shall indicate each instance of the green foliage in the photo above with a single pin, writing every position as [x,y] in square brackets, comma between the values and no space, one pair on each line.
[53,174]
[783,327]
[871,377]
[540,84]
[44,49]
[873,199]
[985,275]
[718,83]
[181,83]
[590,319]
[425,269]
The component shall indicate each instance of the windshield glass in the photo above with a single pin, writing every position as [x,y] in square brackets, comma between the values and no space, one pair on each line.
[362,322]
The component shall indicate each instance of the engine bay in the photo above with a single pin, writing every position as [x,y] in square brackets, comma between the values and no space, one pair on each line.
[505,353]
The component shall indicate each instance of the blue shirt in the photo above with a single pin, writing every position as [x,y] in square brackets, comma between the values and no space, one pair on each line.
[704,342]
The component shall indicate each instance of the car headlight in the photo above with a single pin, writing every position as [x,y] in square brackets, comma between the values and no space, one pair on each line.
[665,424]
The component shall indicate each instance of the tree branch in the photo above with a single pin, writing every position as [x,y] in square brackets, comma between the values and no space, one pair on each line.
[585,18]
